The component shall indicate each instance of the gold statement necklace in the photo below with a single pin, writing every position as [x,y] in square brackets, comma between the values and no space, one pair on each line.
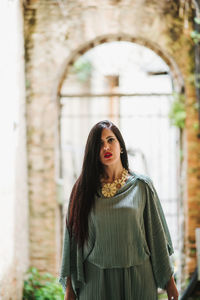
[110,189]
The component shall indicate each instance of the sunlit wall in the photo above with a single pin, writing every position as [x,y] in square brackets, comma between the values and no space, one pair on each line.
[13,178]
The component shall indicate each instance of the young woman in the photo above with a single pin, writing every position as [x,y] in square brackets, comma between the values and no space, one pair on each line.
[117,245]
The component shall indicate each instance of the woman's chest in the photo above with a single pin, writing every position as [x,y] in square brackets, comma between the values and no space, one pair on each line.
[119,212]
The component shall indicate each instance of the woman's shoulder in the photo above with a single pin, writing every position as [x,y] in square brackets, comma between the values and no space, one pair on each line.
[140,176]
[143,178]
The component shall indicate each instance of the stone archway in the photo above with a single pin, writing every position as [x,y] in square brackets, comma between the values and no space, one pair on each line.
[82,48]
[49,37]
[69,61]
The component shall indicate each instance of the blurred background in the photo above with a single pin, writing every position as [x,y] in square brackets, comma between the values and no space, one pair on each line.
[64,66]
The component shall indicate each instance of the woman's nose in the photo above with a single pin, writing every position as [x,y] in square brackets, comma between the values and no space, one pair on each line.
[106,147]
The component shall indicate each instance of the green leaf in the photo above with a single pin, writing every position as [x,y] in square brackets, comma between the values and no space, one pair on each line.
[177,112]
[197,20]
[36,289]
[196,126]
[82,68]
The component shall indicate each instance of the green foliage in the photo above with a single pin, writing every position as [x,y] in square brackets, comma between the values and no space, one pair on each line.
[196,126]
[197,20]
[41,287]
[177,112]
[83,68]
[162,296]
[195,35]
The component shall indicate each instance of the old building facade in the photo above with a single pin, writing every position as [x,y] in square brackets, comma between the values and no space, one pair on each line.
[56,33]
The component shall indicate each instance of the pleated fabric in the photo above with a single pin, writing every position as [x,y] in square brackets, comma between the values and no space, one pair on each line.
[136,282]
[128,252]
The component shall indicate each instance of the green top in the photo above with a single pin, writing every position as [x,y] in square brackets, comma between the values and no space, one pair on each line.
[124,230]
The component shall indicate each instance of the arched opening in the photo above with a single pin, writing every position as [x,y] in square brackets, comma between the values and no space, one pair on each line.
[133,86]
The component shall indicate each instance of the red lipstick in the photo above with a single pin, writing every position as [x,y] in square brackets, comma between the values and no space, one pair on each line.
[107,154]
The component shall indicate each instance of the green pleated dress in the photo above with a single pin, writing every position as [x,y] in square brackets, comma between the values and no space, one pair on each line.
[128,251]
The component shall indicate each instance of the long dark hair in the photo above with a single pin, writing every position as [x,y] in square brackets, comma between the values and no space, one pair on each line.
[83,192]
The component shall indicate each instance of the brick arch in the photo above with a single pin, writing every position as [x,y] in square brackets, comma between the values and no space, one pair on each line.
[80,50]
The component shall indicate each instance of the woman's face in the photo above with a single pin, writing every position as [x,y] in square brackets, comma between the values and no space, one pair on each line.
[110,148]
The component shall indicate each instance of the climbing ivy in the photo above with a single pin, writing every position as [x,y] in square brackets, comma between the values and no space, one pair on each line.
[82,68]
[177,112]
[195,35]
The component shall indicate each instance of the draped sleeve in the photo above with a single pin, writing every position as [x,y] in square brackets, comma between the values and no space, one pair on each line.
[158,236]
[73,257]
[72,263]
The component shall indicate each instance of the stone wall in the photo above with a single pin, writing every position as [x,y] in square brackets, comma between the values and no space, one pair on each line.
[56,33]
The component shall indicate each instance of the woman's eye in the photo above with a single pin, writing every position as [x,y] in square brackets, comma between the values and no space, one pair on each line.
[110,140]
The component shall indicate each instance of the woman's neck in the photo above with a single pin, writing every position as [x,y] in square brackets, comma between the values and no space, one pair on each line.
[112,173]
